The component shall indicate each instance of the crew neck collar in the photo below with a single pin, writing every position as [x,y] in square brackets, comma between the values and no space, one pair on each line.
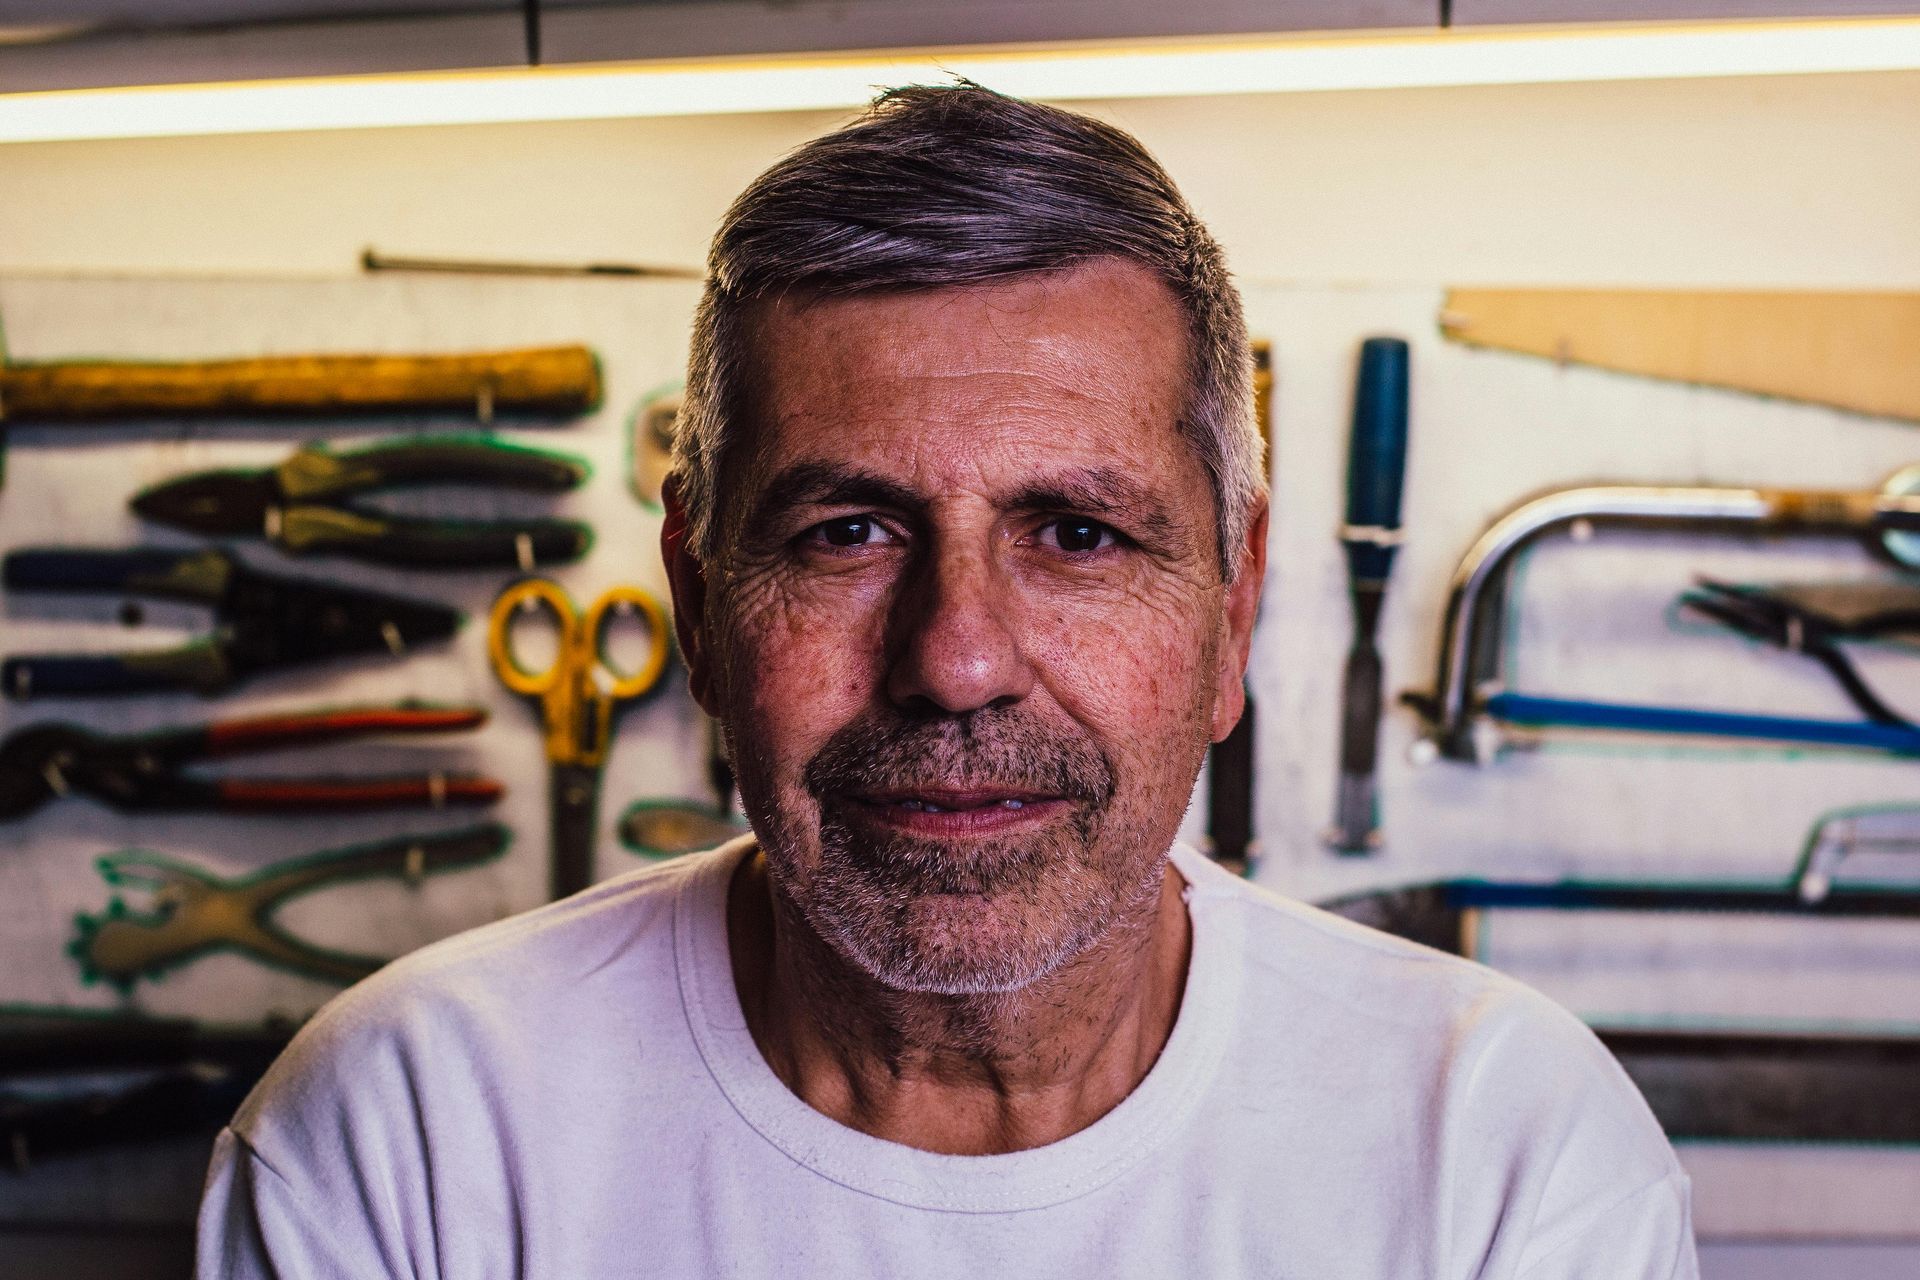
[1060,1171]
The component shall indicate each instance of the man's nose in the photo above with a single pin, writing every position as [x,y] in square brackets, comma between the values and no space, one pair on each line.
[956,645]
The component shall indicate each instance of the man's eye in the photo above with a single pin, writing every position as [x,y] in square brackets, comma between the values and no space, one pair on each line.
[849,531]
[1077,536]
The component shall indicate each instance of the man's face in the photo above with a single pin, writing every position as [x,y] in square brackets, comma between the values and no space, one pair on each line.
[966,628]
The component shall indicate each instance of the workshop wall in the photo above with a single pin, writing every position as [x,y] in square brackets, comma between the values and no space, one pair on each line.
[1787,181]
[1344,214]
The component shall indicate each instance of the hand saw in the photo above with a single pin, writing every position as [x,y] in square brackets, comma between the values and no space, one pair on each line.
[1858,351]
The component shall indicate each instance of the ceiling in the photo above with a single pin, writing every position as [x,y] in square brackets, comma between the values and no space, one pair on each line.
[71,44]
[30,20]
[163,14]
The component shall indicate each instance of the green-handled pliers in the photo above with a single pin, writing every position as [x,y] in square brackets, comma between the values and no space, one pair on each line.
[304,504]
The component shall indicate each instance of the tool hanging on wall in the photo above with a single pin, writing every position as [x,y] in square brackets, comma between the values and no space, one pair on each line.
[1230,773]
[671,828]
[538,382]
[303,504]
[1232,840]
[49,1116]
[1813,618]
[196,912]
[668,828]
[561,381]
[373,261]
[76,1080]
[1858,829]
[1717,1086]
[142,773]
[1473,629]
[578,695]
[1444,914]
[650,443]
[263,622]
[1857,351]
[1376,470]
[1533,711]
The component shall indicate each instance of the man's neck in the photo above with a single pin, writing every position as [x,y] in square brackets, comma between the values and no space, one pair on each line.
[965,1075]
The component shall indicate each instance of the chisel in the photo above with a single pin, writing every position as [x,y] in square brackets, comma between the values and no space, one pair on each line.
[1376,467]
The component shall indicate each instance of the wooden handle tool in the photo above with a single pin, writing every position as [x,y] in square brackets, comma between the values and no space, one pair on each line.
[543,381]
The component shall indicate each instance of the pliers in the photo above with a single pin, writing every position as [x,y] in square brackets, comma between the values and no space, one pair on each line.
[196,912]
[1813,619]
[261,621]
[137,773]
[303,504]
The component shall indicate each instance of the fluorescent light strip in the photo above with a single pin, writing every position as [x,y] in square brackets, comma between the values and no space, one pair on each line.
[1272,66]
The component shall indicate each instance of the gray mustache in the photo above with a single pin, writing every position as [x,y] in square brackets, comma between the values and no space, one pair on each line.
[992,747]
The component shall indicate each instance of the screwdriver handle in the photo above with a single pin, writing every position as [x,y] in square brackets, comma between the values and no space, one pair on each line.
[200,668]
[1376,459]
[200,576]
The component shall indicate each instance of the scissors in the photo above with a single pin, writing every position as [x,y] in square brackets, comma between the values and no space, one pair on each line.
[577,694]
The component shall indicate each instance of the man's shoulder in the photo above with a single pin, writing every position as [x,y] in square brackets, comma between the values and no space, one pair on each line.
[473,1001]
[526,955]
[1304,963]
[1391,1033]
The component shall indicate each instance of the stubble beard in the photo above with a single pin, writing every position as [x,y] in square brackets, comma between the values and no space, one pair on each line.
[972,916]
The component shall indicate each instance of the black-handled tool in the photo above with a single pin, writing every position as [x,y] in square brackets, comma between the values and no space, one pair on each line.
[1376,469]
[1812,619]
[304,504]
[262,621]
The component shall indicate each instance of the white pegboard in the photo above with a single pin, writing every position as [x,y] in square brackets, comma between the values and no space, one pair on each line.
[70,484]
[1592,620]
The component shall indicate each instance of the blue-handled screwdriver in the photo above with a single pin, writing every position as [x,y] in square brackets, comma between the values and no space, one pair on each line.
[1376,468]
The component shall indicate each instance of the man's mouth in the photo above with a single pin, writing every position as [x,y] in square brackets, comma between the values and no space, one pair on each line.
[939,810]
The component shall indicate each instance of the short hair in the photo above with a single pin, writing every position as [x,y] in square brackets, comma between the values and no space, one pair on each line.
[942,185]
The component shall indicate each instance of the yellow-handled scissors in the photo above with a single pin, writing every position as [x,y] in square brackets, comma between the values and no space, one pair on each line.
[577,694]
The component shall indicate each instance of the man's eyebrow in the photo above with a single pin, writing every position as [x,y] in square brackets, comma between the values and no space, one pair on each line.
[824,483]
[1095,491]
[1099,491]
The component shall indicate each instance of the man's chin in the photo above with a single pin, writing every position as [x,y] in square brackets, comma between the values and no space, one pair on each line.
[976,939]
[951,955]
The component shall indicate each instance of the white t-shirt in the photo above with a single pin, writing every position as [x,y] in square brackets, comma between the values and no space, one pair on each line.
[573,1094]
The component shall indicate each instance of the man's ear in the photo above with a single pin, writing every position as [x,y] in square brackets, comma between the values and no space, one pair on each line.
[688,579]
[1242,608]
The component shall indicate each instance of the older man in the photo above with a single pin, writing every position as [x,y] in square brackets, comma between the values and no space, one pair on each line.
[966,537]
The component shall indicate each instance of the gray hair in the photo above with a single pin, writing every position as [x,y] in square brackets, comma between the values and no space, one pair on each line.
[955,184]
